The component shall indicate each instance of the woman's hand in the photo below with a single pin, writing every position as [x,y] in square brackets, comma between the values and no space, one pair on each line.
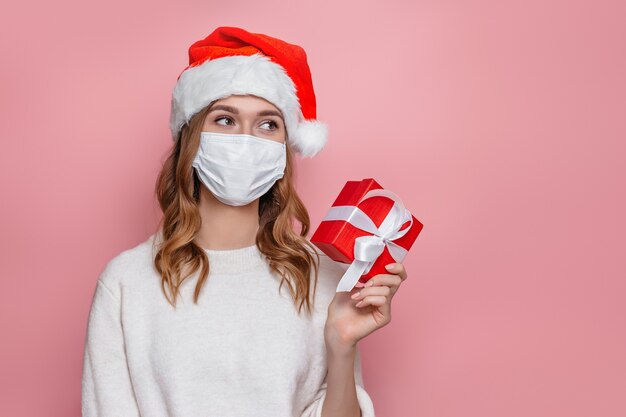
[355,314]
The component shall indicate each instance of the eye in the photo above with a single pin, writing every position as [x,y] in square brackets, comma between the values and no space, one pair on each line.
[272,123]
[223,118]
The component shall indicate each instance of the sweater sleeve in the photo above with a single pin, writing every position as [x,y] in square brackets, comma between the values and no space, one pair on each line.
[106,384]
[363,398]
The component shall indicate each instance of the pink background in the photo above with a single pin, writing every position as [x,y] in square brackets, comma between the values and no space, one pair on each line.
[500,124]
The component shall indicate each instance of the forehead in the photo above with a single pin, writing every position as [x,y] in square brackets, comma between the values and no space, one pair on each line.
[246,104]
[246,101]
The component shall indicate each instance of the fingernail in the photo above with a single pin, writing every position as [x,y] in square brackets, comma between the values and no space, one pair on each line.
[355,295]
[359,303]
[390,267]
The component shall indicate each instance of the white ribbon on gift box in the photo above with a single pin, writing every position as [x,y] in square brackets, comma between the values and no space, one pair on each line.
[368,248]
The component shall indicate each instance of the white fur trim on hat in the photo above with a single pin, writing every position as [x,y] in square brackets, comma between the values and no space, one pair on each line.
[255,74]
[310,137]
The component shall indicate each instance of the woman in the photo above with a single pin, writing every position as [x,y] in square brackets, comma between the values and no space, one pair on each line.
[195,321]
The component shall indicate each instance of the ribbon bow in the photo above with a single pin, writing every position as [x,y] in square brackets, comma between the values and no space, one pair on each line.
[368,248]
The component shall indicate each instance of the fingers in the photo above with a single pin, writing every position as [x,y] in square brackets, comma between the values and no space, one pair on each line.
[379,289]
[372,300]
[398,269]
[384,279]
[376,296]
[392,281]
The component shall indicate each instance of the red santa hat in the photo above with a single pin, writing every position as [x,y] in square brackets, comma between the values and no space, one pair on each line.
[233,61]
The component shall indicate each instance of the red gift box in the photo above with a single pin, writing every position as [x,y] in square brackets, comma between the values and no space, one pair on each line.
[388,235]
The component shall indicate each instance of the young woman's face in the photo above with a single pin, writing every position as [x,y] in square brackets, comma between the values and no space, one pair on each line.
[246,114]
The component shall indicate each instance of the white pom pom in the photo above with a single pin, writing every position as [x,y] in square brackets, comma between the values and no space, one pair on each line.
[309,138]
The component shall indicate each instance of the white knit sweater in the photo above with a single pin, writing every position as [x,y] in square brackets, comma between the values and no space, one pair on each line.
[243,351]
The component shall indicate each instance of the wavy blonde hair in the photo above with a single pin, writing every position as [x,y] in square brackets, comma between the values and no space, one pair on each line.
[178,256]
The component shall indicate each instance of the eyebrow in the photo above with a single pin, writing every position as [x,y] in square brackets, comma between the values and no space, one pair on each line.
[235,111]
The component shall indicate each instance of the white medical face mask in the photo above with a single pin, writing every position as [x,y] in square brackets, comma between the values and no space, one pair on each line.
[239,168]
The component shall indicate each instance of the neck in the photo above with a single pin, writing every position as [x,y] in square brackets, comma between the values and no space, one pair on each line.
[224,226]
